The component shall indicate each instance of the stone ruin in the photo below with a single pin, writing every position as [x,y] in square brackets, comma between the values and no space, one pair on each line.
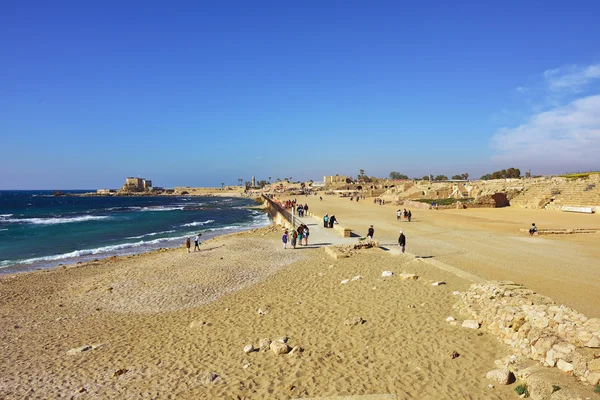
[537,328]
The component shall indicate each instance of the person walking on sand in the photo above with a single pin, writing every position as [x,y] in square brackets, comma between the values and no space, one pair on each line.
[294,238]
[188,243]
[399,215]
[284,239]
[402,241]
[533,229]
[325,220]
[300,233]
[370,232]
[197,242]
[332,220]
[409,215]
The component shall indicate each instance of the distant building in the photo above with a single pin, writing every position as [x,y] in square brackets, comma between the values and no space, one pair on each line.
[334,179]
[136,185]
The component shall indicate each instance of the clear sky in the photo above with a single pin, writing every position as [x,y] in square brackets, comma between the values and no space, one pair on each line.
[198,93]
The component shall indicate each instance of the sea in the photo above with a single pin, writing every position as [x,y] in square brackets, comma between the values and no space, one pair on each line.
[39,230]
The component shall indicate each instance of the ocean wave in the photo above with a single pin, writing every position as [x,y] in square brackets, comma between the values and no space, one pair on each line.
[199,223]
[160,208]
[5,215]
[149,234]
[97,251]
[56,220]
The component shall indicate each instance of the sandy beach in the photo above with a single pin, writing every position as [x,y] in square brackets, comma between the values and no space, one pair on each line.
[169,324]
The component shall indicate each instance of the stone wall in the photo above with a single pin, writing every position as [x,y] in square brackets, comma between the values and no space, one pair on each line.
[537,328]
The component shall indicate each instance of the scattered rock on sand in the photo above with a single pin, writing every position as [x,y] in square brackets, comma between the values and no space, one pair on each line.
[120,372]
[387,273]
[197,324]
[279,348]
[454,355]
[249,348]
[439,283]
[354,321]
[264,310]
[264,344]
[471,324]
[356,278]
[456,293]
[283,339]
[407,277]
[450,319]
[501,376]
[296,351]
[210,377]
[345,281]
[78,350]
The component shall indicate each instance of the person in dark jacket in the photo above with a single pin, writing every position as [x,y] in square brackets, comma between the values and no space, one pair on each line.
[402,241]
[332,220]
[370,232]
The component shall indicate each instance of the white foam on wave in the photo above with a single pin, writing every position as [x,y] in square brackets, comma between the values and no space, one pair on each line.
[87,252]
[149,234]
[160,208]
[5,215]
[199,223]
[56,220]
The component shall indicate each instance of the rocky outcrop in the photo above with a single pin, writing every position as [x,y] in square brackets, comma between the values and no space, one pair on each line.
[537,328]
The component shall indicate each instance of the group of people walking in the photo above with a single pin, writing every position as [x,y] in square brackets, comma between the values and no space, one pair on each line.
[406,214]
[302,209]
[296,236]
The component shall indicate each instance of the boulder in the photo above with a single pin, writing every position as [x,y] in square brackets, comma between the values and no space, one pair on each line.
[593,378]
[264,344]
[564,366]
[197,324]
[594,365]
[279,348]
[471,324]
[450,319]
[501,376]
[296,351]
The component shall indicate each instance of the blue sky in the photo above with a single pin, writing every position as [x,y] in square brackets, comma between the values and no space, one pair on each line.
[198,93]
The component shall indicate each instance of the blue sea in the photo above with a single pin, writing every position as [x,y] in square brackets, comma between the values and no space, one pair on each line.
[40,230]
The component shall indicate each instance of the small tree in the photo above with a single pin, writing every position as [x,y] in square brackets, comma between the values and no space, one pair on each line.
[441,178]
[397,176]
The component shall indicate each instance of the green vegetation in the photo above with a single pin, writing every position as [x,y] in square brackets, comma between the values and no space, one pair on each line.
[464,176]
[597,389]
[443,202]
[555,388]
[582,175]
[398,176]
[522,390]
[440,178]
[505,173]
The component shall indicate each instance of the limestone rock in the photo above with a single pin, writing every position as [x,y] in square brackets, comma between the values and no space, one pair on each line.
[450,319]
[264,344]
[471,324]
[564,366]
[387,273]
[264,311]
[439,283]
[594,342]
[593,378]
[296,351]
[594,365]
[356,278]
[345,281]
[283,339]
[249,348]
[407,277]
[354,321]
[120,372]
[501,376]
[279,348]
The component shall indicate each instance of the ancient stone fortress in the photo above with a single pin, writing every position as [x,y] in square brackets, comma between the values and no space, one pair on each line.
[136,185]
[536,328]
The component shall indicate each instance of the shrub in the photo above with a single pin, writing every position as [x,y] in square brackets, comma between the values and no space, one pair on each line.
[522,390]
